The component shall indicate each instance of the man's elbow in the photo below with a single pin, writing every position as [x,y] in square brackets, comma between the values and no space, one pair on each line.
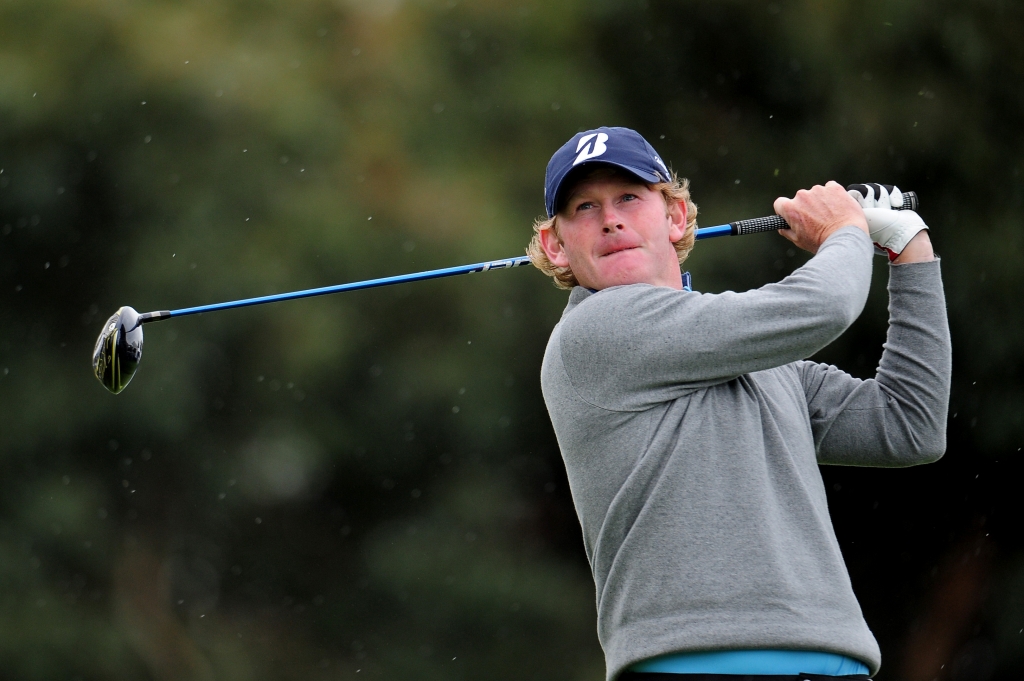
[928,447]
[916,426]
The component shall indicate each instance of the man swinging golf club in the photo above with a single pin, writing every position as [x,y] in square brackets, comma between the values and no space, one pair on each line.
[692,426]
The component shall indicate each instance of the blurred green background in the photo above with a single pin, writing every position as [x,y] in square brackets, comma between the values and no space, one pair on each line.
[367,485]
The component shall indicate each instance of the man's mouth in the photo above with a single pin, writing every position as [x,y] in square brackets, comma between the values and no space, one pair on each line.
[618,249]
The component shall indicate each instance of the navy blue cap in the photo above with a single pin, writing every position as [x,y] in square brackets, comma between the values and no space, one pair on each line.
[620,147]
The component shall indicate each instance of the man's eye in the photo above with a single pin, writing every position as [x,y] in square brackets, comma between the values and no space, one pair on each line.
[586,205]
[629,197]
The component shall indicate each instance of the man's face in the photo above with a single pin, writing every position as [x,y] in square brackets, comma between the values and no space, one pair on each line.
[615,230]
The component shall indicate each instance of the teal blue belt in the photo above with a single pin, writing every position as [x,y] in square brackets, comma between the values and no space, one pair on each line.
[756,662]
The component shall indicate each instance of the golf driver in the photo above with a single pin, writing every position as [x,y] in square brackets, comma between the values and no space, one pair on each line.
[119,346]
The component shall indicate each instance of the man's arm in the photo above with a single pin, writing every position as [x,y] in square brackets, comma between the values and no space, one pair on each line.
[899,417]
[629,347]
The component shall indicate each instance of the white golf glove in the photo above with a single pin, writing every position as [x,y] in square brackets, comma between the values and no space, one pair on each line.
[891,229]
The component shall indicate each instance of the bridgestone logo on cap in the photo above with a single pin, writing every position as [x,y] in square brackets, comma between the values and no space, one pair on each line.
[594,150]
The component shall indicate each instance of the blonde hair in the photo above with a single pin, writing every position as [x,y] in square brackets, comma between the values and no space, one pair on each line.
[677,190]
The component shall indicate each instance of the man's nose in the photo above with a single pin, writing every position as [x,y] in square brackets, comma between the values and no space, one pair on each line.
[612,221]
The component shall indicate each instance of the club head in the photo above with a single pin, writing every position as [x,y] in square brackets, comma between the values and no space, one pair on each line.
[118,350]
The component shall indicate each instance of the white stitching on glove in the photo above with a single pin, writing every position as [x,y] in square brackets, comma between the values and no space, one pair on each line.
[891,230]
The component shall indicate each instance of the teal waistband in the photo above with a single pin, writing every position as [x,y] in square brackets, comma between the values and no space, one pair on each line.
[752,662]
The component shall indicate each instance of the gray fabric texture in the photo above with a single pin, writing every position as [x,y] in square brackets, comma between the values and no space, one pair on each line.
[692,428]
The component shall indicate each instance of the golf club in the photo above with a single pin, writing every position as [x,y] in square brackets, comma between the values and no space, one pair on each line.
[119,346]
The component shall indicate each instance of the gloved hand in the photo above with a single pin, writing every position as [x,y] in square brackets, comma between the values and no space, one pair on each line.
[891,229]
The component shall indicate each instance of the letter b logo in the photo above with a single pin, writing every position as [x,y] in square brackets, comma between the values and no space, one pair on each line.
[591,147]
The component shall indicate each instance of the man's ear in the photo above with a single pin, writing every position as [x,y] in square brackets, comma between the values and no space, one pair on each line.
[677,221]
[552,246]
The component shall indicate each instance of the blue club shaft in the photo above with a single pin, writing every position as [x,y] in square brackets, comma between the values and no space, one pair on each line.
[717,230]
[703,233]
[752,226]
[355,286]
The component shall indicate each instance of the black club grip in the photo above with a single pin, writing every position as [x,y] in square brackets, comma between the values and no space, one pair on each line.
[772,223]
[910,201]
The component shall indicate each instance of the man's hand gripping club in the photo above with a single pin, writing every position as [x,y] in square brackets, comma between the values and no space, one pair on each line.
[900,234]
[815,214]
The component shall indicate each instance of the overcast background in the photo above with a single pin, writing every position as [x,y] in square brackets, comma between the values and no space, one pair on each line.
[367,485]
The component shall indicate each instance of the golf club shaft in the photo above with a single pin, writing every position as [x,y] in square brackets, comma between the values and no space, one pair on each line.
[741,227]
[338,288]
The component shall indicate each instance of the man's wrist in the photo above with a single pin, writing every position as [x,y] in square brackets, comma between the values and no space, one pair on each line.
[845,229]
[919,249]
[859,225]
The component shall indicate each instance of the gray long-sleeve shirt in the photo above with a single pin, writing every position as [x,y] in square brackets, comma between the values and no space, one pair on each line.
[692,428]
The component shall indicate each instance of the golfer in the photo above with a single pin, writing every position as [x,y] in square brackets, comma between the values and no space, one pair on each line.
[692,425]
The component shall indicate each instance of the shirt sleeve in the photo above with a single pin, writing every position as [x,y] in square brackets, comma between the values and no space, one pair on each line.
[897,418]
[627,348]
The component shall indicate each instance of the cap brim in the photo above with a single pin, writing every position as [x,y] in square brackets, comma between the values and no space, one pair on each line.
[647,177]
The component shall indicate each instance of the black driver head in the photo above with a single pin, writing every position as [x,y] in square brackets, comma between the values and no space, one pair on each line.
[118,350]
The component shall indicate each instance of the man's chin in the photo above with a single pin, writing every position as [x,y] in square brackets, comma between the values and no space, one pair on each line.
[619,277]
[622,268]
